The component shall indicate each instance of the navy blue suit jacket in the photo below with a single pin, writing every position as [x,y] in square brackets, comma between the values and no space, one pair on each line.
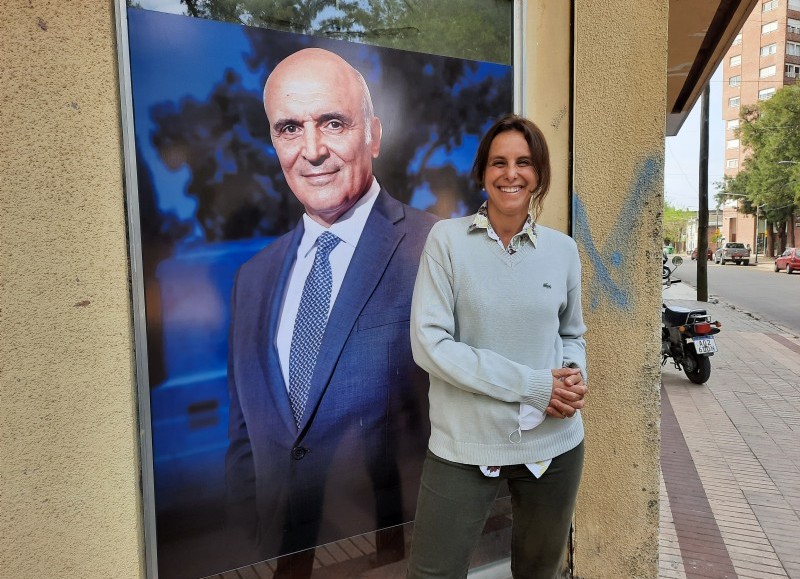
[354,464]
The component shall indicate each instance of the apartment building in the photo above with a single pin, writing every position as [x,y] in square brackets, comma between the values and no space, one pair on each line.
[764,57]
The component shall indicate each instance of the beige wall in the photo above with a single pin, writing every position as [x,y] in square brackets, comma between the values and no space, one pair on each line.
[70,488]
[620,72]
[70,494]
[548,97]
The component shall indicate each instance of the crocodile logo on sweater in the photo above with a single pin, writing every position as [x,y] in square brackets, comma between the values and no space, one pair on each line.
[547,285]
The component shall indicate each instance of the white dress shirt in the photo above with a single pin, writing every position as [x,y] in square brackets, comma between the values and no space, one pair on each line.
[348,228]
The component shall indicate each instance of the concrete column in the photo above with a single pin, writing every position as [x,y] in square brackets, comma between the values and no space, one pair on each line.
[618,158]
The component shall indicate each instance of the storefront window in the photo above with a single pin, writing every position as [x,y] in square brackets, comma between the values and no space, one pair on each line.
[210,193]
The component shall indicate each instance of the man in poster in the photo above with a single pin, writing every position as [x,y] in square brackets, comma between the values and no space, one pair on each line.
[328,420]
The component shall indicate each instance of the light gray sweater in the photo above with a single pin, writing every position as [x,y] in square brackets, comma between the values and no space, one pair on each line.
[488,327]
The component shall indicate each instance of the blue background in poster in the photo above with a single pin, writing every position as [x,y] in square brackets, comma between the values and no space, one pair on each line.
[211,195]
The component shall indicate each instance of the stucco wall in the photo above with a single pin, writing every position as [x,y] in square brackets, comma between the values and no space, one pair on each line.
[547,97]
[70,488]
[620,72]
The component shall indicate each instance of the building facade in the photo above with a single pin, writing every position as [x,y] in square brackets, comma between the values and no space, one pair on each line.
[71,486]
[764,57]
[693,230]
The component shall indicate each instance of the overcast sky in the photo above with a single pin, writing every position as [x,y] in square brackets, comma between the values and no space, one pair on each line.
[682,153]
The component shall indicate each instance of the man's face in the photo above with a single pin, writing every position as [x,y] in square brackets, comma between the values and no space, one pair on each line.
[317,122]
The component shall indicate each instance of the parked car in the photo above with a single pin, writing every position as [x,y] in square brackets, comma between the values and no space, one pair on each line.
[789,259]
[709,254]
[732,251]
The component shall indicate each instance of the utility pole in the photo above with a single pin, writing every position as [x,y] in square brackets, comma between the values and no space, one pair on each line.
[702,213]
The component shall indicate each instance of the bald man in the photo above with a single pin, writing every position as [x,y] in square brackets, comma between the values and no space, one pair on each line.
[328,412]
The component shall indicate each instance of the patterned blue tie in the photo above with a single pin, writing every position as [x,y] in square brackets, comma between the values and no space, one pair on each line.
[309,326]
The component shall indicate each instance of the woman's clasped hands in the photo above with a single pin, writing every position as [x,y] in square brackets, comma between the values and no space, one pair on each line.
[569,391]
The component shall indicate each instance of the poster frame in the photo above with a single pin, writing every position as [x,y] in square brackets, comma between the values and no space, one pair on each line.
[138,312]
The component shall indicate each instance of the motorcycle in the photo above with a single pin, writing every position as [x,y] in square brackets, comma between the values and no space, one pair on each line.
[687,335]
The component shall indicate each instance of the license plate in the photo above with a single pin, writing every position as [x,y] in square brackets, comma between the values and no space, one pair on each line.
[705,345]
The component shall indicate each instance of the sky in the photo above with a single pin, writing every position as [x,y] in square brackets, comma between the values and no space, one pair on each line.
[682,153]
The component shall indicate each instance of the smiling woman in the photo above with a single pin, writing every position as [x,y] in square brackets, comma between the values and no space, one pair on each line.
[510,181]
[496,313]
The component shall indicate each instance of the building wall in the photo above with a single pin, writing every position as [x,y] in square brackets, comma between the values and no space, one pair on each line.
[71,500]
[737,226]
[693,231]
[620,80]
[70,492]
[747,49]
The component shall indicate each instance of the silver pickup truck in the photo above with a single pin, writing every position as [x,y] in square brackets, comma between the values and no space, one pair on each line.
[732,251]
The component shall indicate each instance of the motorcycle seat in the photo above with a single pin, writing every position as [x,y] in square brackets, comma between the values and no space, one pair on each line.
[677,315]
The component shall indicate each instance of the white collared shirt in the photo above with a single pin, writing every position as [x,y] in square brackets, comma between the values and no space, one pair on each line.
[348,228]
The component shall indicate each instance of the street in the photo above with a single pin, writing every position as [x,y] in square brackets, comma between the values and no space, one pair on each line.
[758,290]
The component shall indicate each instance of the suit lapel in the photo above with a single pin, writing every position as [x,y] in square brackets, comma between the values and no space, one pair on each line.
[270,363]
[375,248]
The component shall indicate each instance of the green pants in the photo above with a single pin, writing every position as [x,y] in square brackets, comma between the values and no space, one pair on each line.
[454,502]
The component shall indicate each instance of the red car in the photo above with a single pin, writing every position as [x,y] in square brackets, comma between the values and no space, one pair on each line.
[789,259]
[709,254]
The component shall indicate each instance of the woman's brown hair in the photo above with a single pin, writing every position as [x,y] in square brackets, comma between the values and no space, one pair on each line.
[540,155]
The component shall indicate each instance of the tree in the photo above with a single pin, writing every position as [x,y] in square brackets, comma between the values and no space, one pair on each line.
[675,222]
[771,175]
[480,31]
[431,105]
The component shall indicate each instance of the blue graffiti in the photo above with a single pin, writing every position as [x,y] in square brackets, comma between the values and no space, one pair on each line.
[610,277]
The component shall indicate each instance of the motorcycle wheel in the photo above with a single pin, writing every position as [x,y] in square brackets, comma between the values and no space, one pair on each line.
[700,370]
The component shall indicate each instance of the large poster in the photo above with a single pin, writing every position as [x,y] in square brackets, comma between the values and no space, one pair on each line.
[247,465]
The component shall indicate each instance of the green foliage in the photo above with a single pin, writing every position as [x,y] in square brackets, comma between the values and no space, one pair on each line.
[239,186]
[675,220]
[771,174]
[472,29]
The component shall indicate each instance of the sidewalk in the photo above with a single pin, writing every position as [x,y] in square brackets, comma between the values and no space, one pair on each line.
[730,454]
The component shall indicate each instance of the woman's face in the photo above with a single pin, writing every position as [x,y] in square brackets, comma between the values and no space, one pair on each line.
[509,177]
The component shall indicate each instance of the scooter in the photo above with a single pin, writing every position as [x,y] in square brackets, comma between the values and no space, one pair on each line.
[687,336]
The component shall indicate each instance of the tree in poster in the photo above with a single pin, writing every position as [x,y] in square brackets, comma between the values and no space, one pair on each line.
[480,32]
[239,186]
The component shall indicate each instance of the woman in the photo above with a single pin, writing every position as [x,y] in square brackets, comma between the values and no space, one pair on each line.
[496,321]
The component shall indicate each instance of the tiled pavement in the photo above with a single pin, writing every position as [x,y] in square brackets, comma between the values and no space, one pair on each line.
[730,496]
